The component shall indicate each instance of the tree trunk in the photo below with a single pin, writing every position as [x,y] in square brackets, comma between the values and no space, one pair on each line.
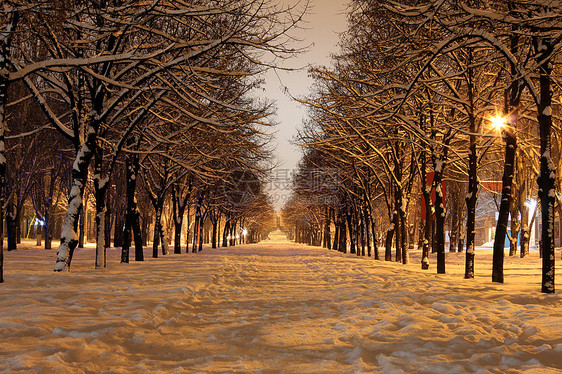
[456,215]
[525,230]
[218,229]
[178,218]
[326,239]
[397,237]
[439,216]
[201,224]
[426,192]
[195,231]
[357,232]
[511,109]
[472,191]
[471,199]
[187,226]
[47,224]
[120,217]
[399,212]
[5,41]
[453,235]
[405,254]
[367,228]
[144,229]
[389,235]
[197,224]
[460,245]
[137,235]
[132,215]
[11,226]
[129,212]
[1,239]
[361,223]
[179,204]
[426,238]
[375,239]
[100,235]
[127,237]
[157,229]
[547,177]
[19,209]
[420,233]
[413,229]
[100,188]
[68,241]
[82,225]
[501,227]
[514,232]
[163,240]
[225,233]
[38,230]
[233,234]
[352,235]
[100,192]
[343,236]
[177,236]
[108,224]
[214,235]
[336,242]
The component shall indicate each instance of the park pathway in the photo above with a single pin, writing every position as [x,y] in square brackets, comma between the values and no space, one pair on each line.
[269,307]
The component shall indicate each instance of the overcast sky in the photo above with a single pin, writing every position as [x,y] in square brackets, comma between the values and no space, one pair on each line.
[322,25]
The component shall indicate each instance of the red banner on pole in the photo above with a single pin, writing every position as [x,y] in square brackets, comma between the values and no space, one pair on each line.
[429,183]
[495,186]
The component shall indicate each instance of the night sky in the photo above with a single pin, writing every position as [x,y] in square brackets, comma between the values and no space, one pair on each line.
[323,23]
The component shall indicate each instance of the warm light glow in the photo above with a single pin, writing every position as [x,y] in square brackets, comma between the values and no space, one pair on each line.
[497,122]
[244,232]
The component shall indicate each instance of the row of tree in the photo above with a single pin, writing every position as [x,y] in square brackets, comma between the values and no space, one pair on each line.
[410,103]
[154,94]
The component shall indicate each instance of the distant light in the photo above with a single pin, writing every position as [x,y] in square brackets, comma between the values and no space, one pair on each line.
[244,232]
[498,122]
[531,204]
[39,222]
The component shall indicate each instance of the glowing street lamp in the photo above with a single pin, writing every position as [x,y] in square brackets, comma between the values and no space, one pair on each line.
[498,122]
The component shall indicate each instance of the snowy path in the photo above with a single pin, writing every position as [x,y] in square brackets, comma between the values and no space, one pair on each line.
[273,307]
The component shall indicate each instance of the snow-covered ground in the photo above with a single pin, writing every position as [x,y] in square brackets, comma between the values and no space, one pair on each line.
[275,307]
